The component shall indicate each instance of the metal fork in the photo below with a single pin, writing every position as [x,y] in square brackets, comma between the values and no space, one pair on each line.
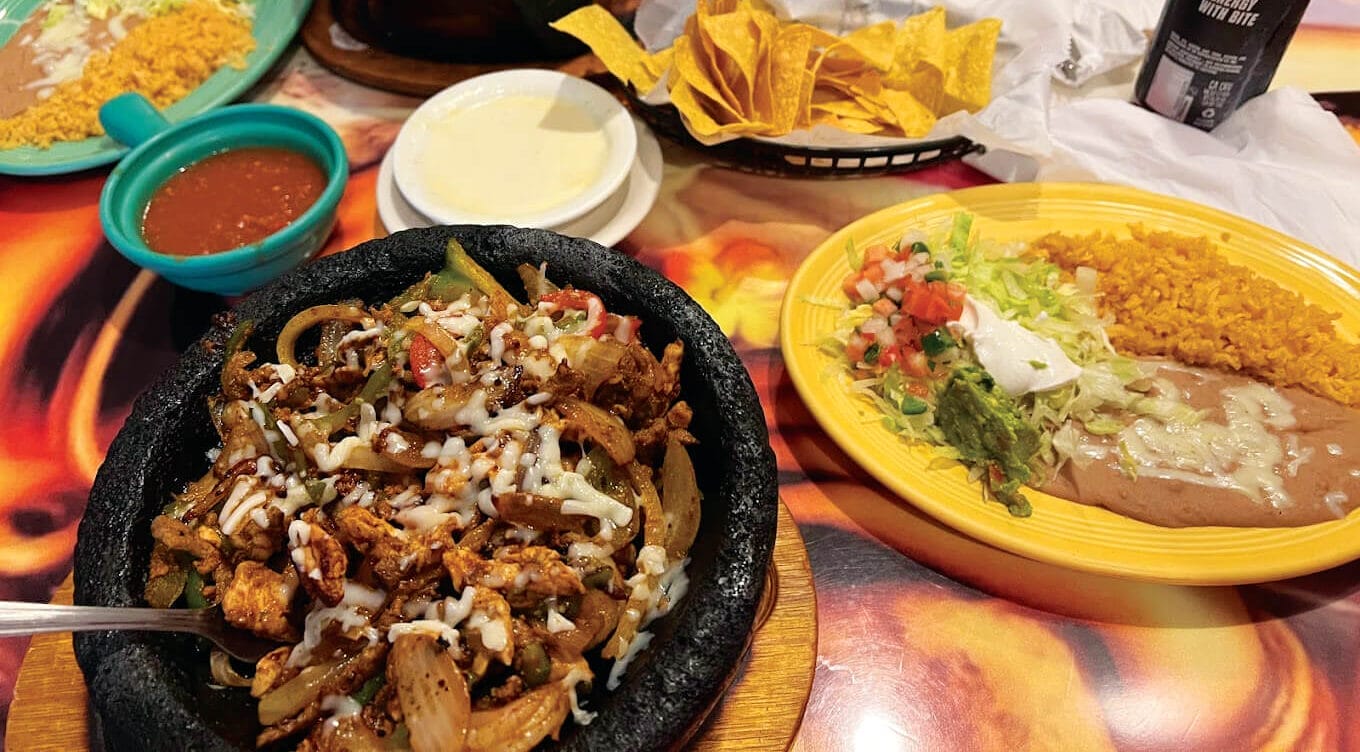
[18,618]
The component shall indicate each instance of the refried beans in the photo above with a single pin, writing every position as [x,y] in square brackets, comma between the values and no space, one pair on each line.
[1260,457]
[32,63]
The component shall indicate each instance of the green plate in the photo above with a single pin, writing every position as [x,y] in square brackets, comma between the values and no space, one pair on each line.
[276,21]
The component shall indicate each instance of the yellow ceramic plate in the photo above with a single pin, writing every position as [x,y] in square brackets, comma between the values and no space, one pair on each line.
[1064,532]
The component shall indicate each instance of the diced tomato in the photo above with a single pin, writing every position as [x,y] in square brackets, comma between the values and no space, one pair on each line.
[874,273]
[628,327]
[854,350]
[579,300]
[917,389]
[427,364]
[851,286]
[932,302]
[876,253]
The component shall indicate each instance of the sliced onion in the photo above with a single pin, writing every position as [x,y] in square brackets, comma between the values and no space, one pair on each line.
[585,420]
[433,694]
[596,360]
[595,620]
[296,693]
[679,499]
[364,458]
[536,283]
[350,734]
[436,334]
[535,511]
[654,519]
[437,408]
[411,456]
[223,672]
[520,725]
[304,320]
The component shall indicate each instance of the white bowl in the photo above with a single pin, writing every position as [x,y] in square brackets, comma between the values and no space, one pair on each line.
[606,224]
[500,169]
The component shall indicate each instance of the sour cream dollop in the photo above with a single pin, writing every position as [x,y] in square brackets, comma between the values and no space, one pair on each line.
[1018,359]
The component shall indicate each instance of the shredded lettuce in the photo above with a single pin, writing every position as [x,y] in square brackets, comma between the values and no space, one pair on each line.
[852,255]
[56,13]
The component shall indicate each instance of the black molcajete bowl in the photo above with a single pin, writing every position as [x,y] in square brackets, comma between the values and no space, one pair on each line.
[151,690]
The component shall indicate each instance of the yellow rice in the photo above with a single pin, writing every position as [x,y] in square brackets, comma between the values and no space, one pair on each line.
[1177,296]
[164,58]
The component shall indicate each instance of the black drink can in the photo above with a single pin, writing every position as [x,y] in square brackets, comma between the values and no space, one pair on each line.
[1209,56]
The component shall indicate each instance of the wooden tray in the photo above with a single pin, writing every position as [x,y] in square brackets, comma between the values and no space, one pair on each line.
[405,75]
[761,711]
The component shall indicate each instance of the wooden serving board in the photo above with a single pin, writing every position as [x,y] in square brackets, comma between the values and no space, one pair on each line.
[760,712]
[405,75]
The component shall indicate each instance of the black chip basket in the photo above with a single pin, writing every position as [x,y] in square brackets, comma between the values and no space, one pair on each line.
[766,158]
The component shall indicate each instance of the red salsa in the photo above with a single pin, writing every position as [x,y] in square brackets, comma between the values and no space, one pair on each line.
[231,199]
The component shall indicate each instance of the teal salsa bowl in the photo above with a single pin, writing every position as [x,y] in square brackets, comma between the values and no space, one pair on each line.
[162,149]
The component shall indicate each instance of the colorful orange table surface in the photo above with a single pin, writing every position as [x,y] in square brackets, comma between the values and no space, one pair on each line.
[928,640]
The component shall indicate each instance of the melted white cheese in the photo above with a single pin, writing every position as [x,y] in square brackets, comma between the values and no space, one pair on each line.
[440,620]
[492,631]
[639,644]
[240,503]
[582,498]
[339,706]
[352,614]
[1239,454]
[559,623]
[1334,500]
[575,676]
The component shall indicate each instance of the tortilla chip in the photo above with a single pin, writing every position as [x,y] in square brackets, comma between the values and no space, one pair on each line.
[919,58]
[610,42]
[689,69]
[874,44]
[805,100]
[820,37]
[788,64]
[733,36]
[661,62]
[699,121]
[969,52]
[715,7]
[722,70]
[841,108]
[853,125]
[737,69]
[834,64]
[913,118]
[766,28]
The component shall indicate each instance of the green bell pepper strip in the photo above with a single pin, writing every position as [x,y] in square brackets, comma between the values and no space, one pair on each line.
[193,589]
[374,388]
